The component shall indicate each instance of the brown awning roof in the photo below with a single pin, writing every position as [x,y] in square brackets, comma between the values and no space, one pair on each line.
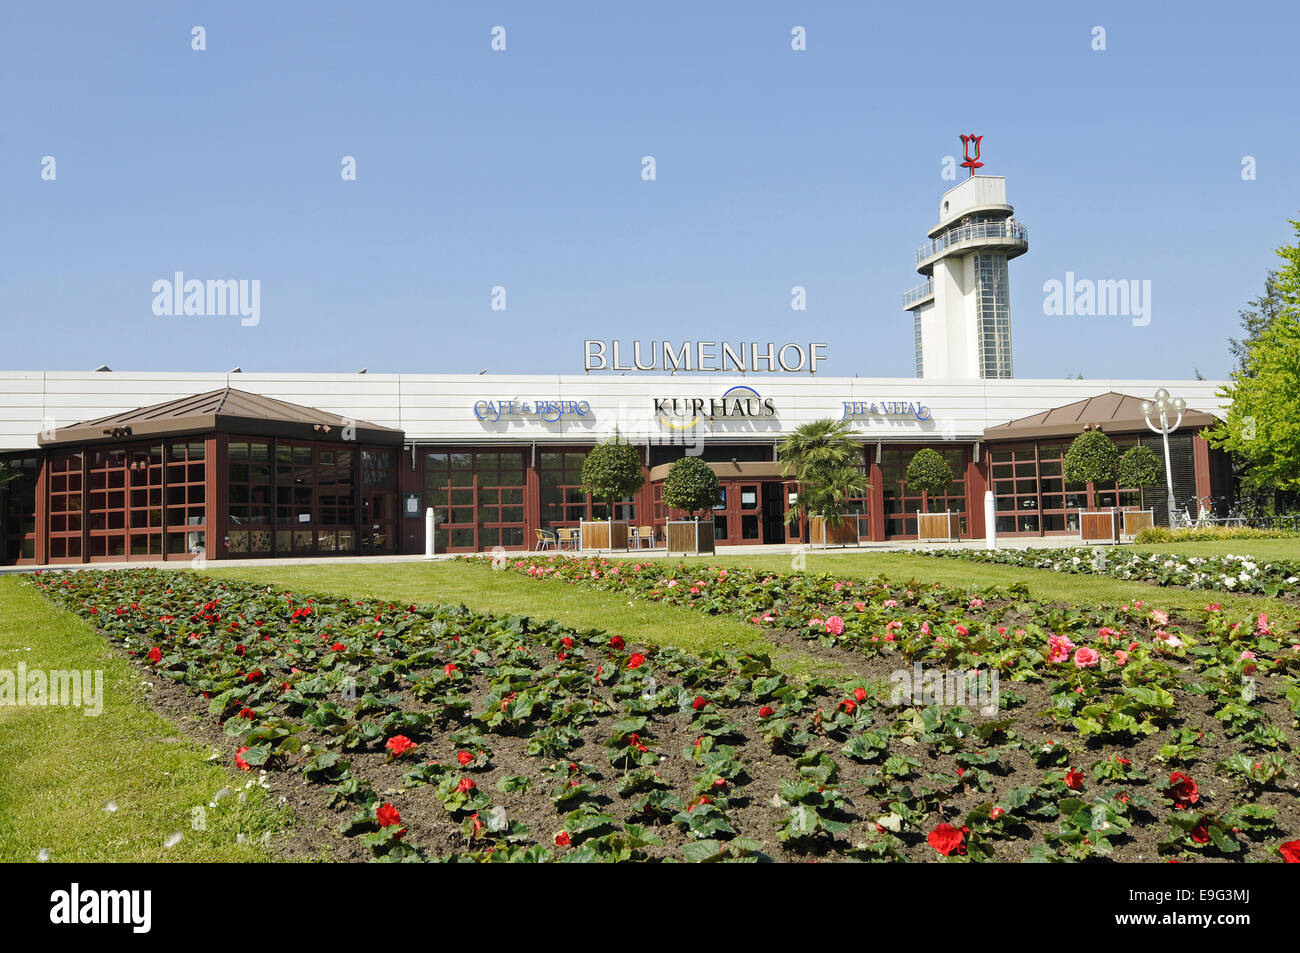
[1110,412]
[226,410]
[750,470]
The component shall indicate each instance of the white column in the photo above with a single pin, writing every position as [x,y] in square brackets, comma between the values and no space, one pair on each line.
[428,532]
[990,522]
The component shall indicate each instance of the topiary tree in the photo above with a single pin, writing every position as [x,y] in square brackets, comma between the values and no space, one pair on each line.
[1092,458]
[691,485]
[612,472]
[928,471]
[1140,467]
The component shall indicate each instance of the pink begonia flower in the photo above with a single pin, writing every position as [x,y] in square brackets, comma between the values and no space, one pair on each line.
[1059,648]
[1086,658]
[835,625]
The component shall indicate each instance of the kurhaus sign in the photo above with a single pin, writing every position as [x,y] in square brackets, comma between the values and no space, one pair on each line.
[737,403]
[718,357]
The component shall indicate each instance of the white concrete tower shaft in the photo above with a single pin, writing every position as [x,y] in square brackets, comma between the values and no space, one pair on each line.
[962,313]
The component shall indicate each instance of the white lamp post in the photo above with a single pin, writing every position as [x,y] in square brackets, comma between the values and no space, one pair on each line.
[1165,407]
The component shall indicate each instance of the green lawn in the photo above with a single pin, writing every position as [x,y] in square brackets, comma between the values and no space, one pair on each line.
[481,588]
[59,767]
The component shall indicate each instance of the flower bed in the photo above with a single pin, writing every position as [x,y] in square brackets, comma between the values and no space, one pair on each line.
[1274,578]
[430,732]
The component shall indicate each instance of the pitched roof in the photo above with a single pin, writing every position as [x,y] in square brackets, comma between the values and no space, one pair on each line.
[227,410]
[1110,412]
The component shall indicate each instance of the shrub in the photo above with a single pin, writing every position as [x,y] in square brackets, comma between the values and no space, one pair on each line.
[928,471]
[612,472]
[1092,458]
[691,485]
[1161,534]
[1140,467]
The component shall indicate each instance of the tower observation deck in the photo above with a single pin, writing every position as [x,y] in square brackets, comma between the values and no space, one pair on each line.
[961,313]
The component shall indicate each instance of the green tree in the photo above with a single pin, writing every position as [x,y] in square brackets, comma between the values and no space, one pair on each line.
[612,472]
[1258,314]
[1092,458]
[691,485]
[1262,429]
[827,462]
[1140,467]
[928,471]
[1263,423]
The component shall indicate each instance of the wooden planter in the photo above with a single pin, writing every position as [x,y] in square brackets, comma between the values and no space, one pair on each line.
[938,527]
[1135,521]
[602,534]
[1099,527]
[689,536]
[845,534]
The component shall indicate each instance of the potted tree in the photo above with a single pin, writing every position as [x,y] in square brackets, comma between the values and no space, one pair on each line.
[827,463]
[691,485]
[1094,458]
[929,472]
[1139,467]
[611,472]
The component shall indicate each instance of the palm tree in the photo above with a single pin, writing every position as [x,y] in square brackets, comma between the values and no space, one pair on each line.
[827,462]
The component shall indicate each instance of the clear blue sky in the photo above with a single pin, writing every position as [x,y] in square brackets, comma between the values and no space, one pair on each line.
[523,169]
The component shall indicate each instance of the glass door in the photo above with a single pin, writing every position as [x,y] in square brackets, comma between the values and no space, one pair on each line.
[379,501]
[751,512]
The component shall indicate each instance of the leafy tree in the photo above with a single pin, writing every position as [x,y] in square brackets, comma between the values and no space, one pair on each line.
[928,471]
[1092,458]
[1262,430]
[691,485]
[6,474]
[1140,467]
[1263,423]
[612,472]
[1258,314]
[826,460]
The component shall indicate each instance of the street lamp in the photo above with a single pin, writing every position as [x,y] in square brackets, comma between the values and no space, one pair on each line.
[1166,407]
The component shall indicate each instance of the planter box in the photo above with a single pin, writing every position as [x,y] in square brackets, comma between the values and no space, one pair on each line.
[846,534]
[1135,521]
[938,527]
[689,536]
[602,534]
[1099,527]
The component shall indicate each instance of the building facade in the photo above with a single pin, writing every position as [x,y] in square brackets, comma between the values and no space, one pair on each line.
[150,466]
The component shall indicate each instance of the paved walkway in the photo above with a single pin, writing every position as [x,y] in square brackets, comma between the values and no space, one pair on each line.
[1047,542]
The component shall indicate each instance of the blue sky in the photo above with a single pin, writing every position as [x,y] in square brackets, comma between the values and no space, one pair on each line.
[522,169]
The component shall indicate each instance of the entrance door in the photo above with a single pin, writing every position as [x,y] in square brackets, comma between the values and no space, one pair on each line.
[773,513]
